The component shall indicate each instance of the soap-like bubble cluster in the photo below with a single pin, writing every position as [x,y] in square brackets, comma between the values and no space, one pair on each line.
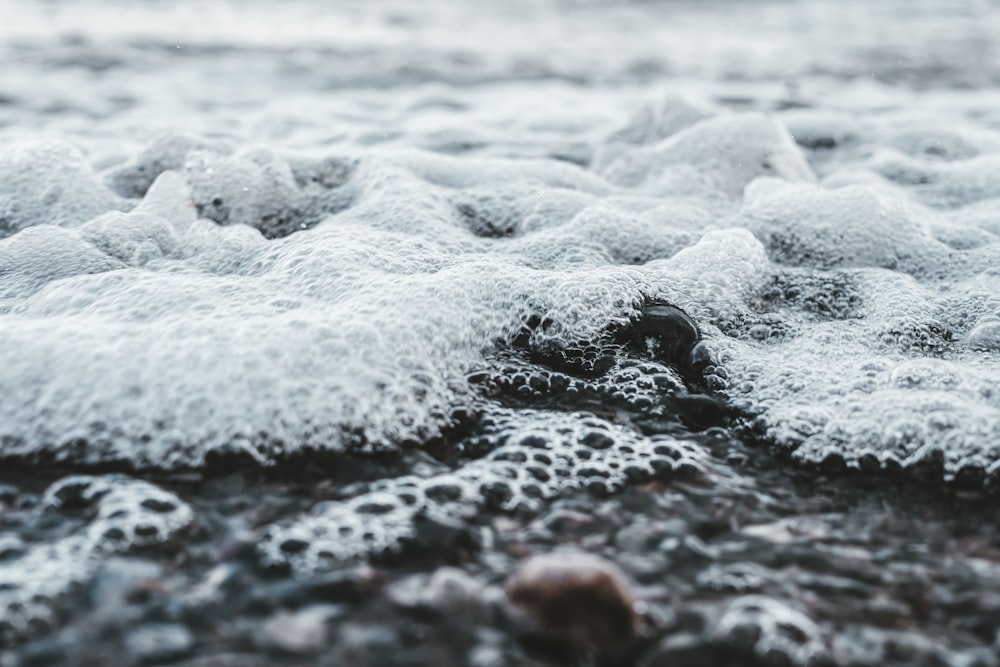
[51,182]
[638,385]
[357,333]
[773,630]
[531,457]
[881,374]
[114,515]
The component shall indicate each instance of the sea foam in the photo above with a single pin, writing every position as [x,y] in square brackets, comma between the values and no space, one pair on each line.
[260,303]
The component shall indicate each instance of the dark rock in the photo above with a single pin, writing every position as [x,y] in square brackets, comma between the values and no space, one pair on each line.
[8,494]
[349,586]
[447,590]
[699,359]
[664,332]
[368,644]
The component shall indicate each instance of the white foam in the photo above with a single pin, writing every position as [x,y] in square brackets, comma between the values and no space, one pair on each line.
[48,182]
[716,157]
[121,515]
[848,227]
[537,456]
[241,240]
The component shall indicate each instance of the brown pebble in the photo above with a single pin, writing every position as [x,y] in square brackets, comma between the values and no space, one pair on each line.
[574,597]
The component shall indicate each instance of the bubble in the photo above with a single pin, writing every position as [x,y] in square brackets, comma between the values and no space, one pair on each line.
[852,226]
[167,152]
[568,452]
[49,182]
[716,157]
[120,515]
[773,630]
[267,288]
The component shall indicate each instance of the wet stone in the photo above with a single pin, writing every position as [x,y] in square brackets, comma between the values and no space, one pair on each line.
[350,586]
[8,494]
[358,644]
[665,332]
[577,598]
[699,411]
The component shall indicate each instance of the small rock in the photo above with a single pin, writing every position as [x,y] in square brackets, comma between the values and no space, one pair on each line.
[452,589]
[666,332]
[119,582]
[573,597]
[8,494]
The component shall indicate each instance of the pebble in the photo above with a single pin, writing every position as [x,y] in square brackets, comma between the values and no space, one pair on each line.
[666,331]
[575,597]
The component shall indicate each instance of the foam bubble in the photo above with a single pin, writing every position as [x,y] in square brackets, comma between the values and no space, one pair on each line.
[944,184]
[773,629]
[48,182]
[852,226]
[534,456]
[120,515]
[357,332]
[716,157]
[167,152]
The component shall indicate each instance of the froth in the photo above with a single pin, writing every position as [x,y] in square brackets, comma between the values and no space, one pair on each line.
[120,516]
[266,303]
[535,456]
[48,182]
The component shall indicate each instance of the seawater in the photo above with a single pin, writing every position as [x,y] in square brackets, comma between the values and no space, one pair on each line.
[270,230]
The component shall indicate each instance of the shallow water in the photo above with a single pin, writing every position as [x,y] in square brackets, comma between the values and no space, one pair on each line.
[286,288]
